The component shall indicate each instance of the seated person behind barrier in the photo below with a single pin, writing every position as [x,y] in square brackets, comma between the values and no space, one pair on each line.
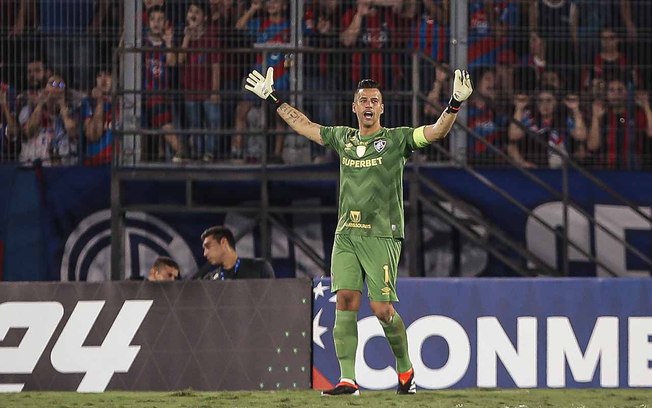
[219,249]
[164,269]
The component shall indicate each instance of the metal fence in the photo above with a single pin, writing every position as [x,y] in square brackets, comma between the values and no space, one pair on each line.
[161,81]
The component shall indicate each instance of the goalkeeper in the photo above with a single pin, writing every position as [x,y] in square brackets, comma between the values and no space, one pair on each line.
[369,230]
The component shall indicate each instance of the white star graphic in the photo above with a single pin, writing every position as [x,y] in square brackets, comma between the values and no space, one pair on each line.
[333,298]
[318,331]
[319,290]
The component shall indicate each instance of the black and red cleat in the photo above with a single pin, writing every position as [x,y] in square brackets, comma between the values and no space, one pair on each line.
[344,387]
[406,384]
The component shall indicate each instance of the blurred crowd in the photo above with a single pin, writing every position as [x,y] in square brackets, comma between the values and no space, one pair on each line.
[571,75]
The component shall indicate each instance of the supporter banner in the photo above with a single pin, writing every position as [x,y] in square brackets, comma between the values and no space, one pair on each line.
[75,229]
[7,177]
[77,224]
[213,335]
[635,186]
[507,333]
[6,180]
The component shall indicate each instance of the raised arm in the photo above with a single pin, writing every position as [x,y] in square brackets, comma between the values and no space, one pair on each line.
[462,88]
[263,87]
[299,122]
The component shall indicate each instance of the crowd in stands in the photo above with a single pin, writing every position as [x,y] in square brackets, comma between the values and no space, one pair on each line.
[573,75]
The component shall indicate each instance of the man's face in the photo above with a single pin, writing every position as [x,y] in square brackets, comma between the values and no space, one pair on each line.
[156,23]
[214,251]
[163,273]
[35,74]
[368,106]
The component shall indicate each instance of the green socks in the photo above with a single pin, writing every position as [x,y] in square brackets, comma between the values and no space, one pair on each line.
[345,334]
[397,337]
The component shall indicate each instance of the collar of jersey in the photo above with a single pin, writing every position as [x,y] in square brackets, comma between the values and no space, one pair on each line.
[371,136]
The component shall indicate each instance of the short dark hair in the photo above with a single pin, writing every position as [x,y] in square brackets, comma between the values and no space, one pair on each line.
[165,261]
[201,4]
[218,232]
[367,84]
[155,9]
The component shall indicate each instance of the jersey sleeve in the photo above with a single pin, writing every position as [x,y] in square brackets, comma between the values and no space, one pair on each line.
[415,138]
[332,136]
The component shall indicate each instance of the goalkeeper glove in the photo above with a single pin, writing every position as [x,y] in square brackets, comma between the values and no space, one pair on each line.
[462,88]
[263,86]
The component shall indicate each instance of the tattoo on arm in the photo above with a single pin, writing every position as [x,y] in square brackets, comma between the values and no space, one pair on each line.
[441,127]
[300,123]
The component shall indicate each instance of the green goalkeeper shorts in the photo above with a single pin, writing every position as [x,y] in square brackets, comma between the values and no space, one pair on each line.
[356,259]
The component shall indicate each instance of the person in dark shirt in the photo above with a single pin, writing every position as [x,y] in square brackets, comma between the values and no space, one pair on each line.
[219,250]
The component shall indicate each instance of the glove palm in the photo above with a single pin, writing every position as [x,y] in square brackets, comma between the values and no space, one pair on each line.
[261,86]
[462,86]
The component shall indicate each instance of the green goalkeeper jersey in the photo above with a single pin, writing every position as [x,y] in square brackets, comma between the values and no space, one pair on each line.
[371,178]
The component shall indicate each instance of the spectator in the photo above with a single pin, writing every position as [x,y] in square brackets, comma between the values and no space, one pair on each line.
[69,29]
[200,78]
[321,25]
[535,59]
[548,126]
[380,25]
[36,76]
[49,128]
[97,114]
[274,29]
[437,96]
[637,18]
[610,62]
[620,131]
[219,250]
[223,17]
[485,121]
[556,21]
[10,44]
[157,112]
[371,25]
[593,16]
[164,269]
[436,102]
[491,26]
[8,125]
[550,78]
[576,126]
[147,6]
[322,30]
[432,35]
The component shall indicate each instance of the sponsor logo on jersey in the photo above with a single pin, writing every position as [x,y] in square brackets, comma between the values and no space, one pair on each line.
[362,163]
[355,217]
[360,150]
[379,145]
[385,291]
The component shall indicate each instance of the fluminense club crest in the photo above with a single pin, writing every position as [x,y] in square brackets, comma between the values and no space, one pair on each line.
[379,145]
